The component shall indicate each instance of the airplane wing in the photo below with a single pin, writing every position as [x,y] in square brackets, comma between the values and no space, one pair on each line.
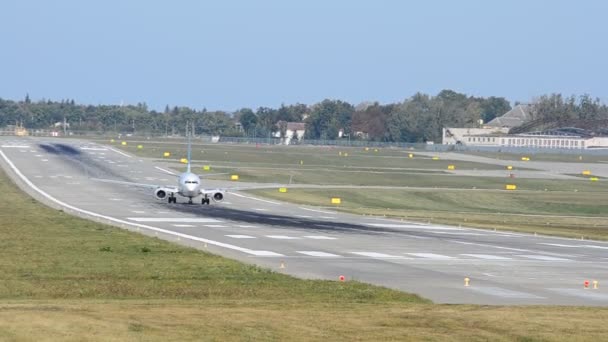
[140,185]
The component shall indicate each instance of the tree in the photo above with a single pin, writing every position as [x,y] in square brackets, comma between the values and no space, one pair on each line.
[247,118]
[493,107]
[327,118]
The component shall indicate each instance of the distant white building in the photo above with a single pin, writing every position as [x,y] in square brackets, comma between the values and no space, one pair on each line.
[289,131]
[496,133]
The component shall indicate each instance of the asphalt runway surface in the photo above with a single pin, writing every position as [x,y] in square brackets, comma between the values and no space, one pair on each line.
[309,242]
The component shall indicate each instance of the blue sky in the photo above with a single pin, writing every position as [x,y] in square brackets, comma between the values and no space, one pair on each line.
[232,54]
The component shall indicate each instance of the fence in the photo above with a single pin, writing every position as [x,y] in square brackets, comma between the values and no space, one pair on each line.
[340,142]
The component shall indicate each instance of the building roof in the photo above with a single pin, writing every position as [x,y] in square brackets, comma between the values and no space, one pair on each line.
[296,126]
[513,118]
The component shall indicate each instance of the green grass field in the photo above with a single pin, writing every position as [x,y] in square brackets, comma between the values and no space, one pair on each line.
[65,278]
[309,156]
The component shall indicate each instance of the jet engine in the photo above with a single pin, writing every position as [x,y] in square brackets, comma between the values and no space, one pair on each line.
[218,197]
[160,194]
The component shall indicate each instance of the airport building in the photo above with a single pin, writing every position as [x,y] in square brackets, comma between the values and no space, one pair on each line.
[496,133]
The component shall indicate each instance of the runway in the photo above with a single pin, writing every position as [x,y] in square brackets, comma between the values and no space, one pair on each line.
[430,260]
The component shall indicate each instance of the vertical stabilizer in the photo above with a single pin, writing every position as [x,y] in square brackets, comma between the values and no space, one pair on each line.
[189,134]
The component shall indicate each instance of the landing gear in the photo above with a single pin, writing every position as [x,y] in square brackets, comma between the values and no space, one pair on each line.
[172,199]
[189,200]
[205,200]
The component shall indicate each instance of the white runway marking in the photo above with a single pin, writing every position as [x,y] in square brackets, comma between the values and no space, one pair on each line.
[39,155]
[260,209]
[318,211]
[282,237]
[388,225]
[379,255]
[558,245]
[45,160]
[255,199]
[327,217]
[138,212]
[38,176]
[119,152]
[320,237]
[165,171]
[265,253]
[16,146]
[598,247]
[115,199]
[246,226]
[303,216]
[182,225]
[543,257]
[241,236]
[431,256]
[173,219]
[487,256]
[214,226]
[319,254]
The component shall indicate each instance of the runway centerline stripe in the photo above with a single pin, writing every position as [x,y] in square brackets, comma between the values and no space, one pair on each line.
[182,225]
[379,255]
[241,236]
[487,256]
[320,237]
[319,254]
[431,256]
[282,237]
[116,220]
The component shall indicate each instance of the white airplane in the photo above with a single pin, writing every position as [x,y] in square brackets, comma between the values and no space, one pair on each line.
[188,185]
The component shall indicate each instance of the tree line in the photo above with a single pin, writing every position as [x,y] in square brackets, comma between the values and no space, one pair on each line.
[419,118]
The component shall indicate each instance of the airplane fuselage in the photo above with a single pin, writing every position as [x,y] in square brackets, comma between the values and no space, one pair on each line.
[189,185]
